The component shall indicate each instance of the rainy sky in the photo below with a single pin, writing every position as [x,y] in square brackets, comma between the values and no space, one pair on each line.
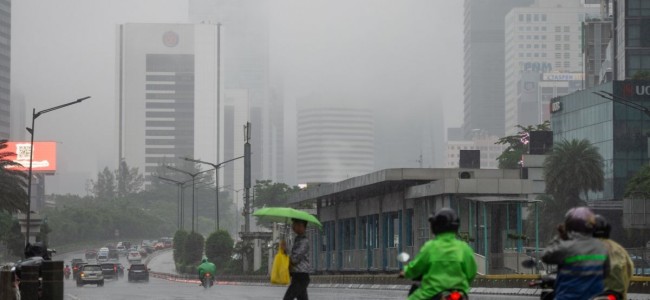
[403,57]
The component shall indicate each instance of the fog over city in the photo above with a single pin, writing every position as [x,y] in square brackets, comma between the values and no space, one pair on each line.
[401,59]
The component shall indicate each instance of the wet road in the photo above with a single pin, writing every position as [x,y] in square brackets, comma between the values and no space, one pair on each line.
[163,289]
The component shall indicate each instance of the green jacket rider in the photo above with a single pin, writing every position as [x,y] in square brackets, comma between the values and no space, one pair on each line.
[206,267]
[444,263]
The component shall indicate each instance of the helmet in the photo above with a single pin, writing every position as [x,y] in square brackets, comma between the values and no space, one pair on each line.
[580,219]
[602,227]
[445,220]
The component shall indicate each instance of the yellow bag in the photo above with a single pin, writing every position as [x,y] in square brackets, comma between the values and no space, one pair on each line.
[280,271]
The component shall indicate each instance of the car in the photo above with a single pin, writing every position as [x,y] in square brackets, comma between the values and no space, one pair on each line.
[91,254]
[113,254]
[76,268]
[138,272]
[158,246]
[133,255]
[143,252]
[148,249]
[168,243]
[91,274]
[121,249]
[109,270]
[102,257]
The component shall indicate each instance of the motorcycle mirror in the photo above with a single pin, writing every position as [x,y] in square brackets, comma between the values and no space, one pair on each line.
[528,263]
[403,257]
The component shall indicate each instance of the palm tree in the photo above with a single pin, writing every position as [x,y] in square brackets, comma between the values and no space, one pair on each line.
[573,168]
[13,183]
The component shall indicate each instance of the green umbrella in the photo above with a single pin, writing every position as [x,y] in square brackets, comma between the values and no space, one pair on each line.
[283,214]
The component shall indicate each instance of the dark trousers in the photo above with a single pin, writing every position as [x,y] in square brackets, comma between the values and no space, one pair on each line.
[298,287]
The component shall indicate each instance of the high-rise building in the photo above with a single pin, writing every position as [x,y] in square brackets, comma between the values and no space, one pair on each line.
[5,68]
[544,37]
[479,141]
[598,35]
[334,143]
[632,37]
[166,94]
[484,46]
[245,64]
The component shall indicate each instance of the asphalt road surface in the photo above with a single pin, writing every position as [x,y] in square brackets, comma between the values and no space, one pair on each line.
[163,289]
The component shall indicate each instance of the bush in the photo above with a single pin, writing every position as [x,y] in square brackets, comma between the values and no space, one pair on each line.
[193,250]
[180,237]
[219,248]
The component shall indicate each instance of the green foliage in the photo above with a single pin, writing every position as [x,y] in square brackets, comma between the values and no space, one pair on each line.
[104,187]
[180,237]
[572,168]
[219,247]
[193,249]
[13,184]
[639,183]
[641,75]
[77,219]
[10,235]
[129,180]
[511,156]
[269,193]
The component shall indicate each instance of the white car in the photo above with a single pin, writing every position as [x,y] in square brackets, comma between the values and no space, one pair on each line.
[134,255]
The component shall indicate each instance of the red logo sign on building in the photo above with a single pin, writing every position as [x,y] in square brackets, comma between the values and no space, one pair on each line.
[628,90]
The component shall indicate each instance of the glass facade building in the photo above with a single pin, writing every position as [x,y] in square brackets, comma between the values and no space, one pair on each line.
[619,132]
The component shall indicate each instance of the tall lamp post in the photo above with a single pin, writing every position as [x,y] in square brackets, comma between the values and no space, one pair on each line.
[216,182]
[31,157]
[180,185]
[193,175]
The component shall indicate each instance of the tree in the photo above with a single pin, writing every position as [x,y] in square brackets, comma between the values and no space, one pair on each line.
[193,251]
[10,234]
[180,237]
[573,168]
[517,145]
[219,247]
[129,180]
[13,183]
[641,75]
[104,187]
[269,193]
[639,184]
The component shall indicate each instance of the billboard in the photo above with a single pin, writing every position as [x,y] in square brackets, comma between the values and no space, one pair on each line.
[44,156]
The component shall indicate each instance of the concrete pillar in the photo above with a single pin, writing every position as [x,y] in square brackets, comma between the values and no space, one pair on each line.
[29,283]
[257,254]
[53,279]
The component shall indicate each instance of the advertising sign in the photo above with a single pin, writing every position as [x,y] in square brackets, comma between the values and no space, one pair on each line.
[44,156]
[562,76]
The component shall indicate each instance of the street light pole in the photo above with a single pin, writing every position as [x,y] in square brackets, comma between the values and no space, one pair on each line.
[193,175]
[180,207]
[31,131]
[216,182]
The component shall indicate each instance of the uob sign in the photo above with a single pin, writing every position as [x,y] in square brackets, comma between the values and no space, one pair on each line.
[630,90]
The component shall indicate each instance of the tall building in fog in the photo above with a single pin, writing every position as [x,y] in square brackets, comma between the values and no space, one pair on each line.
[166,93]
[632,36]
[543,38]
[484,45]
[334,143]
[245,64]
[5,68]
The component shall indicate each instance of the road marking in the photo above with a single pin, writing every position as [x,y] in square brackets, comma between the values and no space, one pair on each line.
[73,297]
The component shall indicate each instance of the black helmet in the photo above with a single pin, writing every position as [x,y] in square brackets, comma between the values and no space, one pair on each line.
[580,219]
[602,227]
[445,220]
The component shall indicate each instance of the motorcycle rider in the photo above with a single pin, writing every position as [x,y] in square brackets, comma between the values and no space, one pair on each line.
[444,263]
[206,267]
[621,265]
[581,259]
[66,271]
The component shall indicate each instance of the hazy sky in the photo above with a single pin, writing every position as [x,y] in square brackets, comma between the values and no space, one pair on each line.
[404,57]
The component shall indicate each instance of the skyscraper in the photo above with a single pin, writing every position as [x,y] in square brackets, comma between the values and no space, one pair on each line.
[334,143]
[484,46]
[5,68]
[632,36]
[545,37]
[166,94]
[245,59]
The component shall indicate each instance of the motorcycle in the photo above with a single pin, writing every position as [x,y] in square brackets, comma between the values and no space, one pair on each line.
[547,283]
[207,280]
[66,273]
[450,294]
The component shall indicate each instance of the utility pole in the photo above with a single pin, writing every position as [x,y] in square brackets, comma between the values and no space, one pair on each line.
[247,186]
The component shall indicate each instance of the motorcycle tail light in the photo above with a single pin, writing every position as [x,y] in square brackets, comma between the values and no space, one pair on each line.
[611,297]
[207,274]
[455,296]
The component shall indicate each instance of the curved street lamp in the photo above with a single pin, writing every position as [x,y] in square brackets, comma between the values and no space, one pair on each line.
[31,157]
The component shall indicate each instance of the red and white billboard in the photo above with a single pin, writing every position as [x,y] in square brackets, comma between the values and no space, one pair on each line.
[44,156]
